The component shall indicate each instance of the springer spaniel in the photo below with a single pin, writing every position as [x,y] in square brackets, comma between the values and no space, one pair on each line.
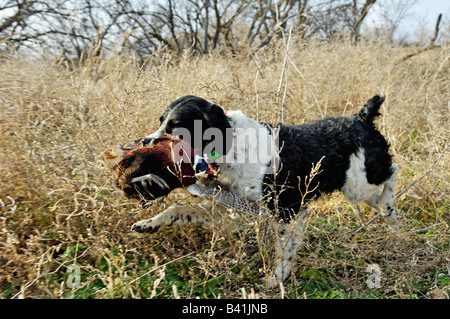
[282,167]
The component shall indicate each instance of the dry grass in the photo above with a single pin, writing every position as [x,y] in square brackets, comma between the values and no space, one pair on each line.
[59,206]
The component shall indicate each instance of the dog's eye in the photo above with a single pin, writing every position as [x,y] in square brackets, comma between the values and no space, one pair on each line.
[171,124]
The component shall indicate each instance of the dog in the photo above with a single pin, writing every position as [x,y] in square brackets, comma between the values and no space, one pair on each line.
[298,164]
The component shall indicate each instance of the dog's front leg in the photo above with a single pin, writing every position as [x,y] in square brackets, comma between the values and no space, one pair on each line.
[289,238]
[171,216]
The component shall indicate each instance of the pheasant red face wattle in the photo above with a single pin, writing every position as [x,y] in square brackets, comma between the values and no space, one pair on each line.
[152,172]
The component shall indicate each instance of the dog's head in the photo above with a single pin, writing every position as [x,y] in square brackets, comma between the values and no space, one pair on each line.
[152,172]
[197,121]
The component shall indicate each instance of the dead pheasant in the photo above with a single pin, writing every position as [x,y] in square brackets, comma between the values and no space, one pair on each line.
[152,172]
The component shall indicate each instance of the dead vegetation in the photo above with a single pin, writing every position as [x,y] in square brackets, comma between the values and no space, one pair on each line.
[58,205]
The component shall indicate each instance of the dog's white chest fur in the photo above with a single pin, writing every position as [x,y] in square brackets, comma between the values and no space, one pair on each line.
[251,156]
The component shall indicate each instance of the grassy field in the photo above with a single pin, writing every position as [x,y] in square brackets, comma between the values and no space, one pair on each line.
[59,206]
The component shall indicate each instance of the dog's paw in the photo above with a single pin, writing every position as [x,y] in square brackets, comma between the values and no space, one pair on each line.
[145,226]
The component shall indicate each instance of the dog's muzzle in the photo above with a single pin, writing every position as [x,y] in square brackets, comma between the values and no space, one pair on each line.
[152,139]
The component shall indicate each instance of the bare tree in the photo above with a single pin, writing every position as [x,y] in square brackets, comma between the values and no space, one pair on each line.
[15,14]
[431,45]
[205,45]
[280,13]
[79,27]
[68,26]
[359,16]
[16,19]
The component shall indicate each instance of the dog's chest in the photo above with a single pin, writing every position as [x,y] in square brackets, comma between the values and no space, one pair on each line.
[251,153]
[245,179]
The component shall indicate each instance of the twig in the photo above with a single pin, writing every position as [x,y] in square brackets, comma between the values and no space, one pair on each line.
[420,178]
[373,219]
[284,74]
[307,84]
[261,22]
[360,214]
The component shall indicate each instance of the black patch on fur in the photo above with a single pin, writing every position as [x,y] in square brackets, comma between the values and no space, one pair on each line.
[333,140]
[186,110]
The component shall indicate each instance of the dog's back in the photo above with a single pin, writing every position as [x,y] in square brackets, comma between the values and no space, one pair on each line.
[332,142]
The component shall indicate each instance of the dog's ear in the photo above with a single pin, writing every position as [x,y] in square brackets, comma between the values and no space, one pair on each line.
[216,118]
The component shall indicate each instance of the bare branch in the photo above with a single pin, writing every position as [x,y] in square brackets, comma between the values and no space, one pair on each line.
[430,45]
[360,19]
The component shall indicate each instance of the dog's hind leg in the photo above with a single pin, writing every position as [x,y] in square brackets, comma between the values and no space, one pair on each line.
[289,238]
[374,199]
[387,198]
[383,201]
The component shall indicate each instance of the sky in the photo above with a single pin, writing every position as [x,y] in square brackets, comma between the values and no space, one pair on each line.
[419,21]
[426,12]
[429,10]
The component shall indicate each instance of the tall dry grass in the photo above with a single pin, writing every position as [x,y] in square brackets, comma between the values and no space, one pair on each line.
[59,205]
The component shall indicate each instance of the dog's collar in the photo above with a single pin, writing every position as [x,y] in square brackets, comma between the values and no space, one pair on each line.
[225,112]
[214,155]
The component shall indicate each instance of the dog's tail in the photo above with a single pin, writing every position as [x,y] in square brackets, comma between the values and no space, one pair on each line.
[370,110]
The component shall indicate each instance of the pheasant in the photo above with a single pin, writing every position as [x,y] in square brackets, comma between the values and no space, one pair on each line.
[152,172]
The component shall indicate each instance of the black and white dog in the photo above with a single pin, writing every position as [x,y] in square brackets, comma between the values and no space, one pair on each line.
[272,164]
